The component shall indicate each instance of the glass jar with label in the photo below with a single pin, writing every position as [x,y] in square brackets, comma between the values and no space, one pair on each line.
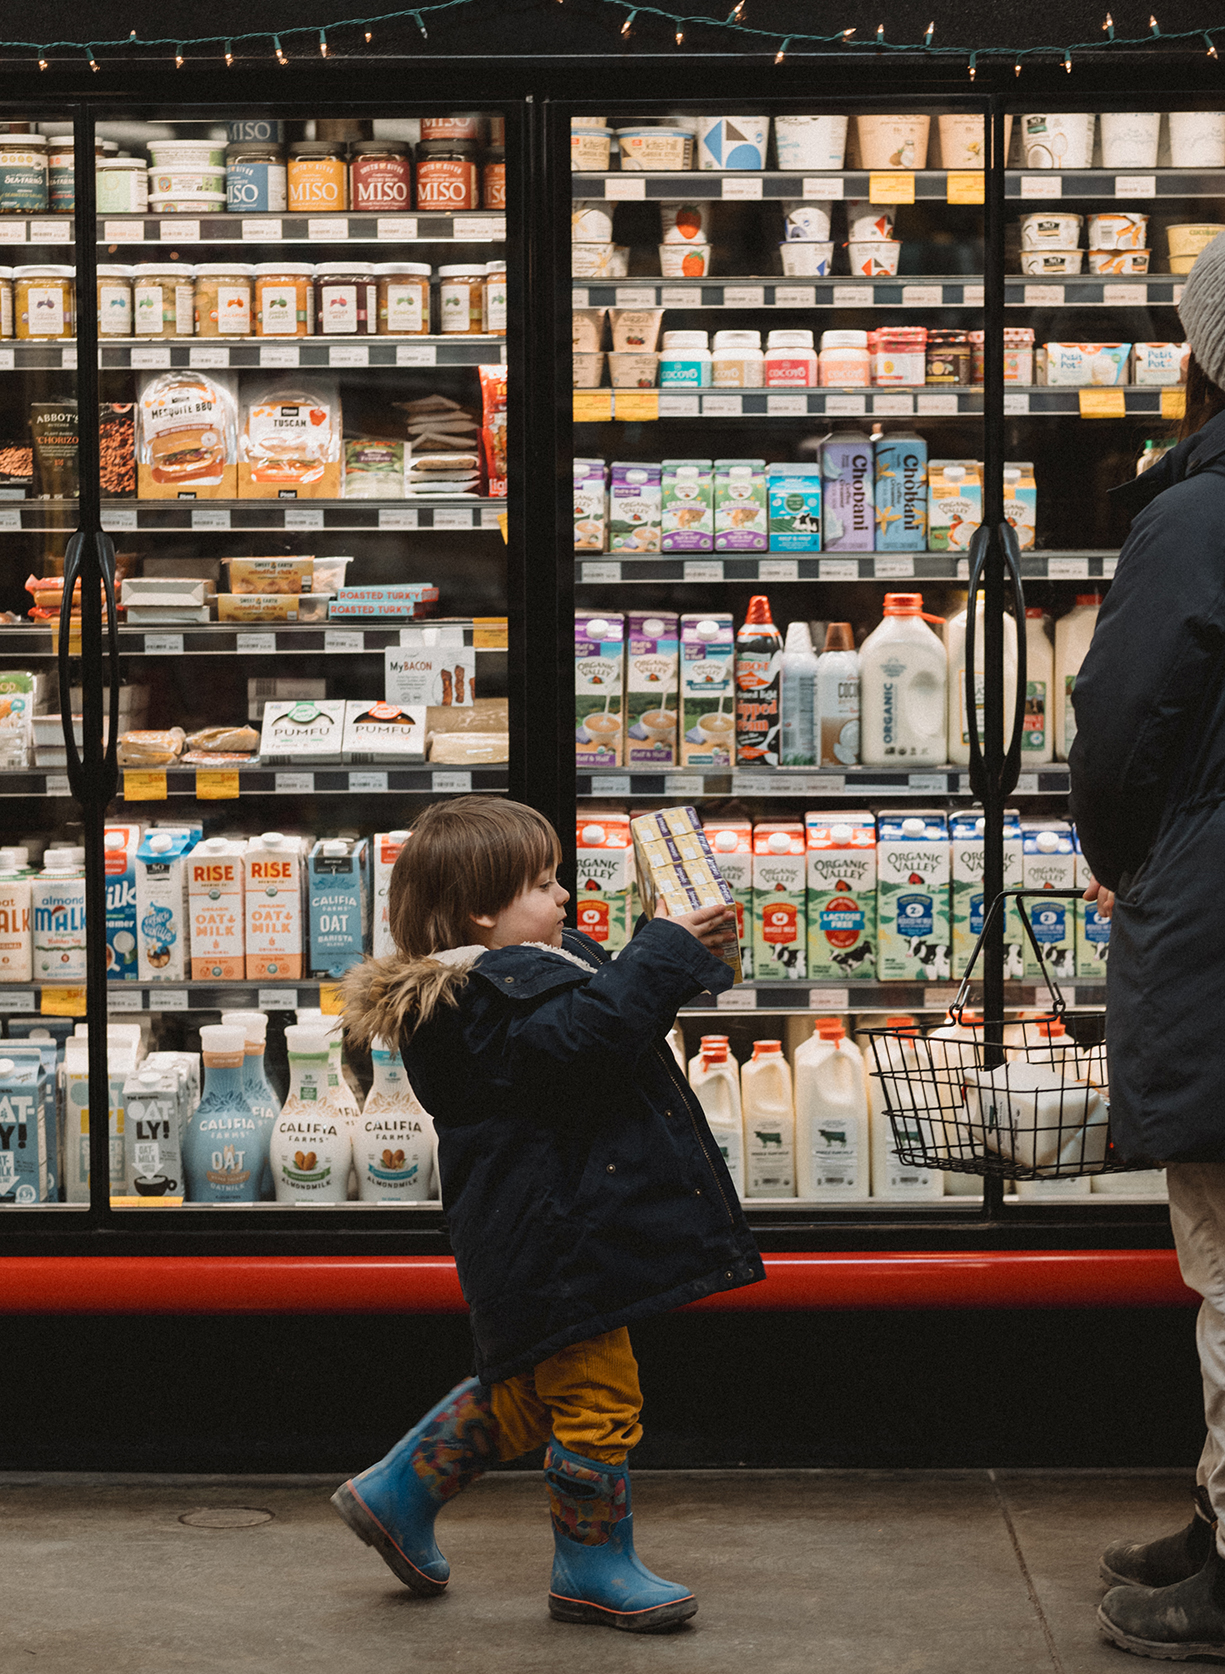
[346,299]
[949,357]
[318,178]
[223,299]
[114,301]
[123,185]
[846,360]
[44,302]
[23,174]
[493,179]
[1018,354]
[284,299]
[61,181]
[465,126]
[404,298]
[163,299]
[791,360]
[494,322]
[461,297]
[737,361]
[380,176]
[255,178]
[446,176]
[6,302]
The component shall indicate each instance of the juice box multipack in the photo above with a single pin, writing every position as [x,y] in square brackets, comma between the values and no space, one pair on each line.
[674,863]
[967,834]
[1092,930]
[708,690]
[1050,863]
[780,915]
[741,513]
[731,839]
[651,689]
[599,674]
[912,896]
[841,881]
[605,878]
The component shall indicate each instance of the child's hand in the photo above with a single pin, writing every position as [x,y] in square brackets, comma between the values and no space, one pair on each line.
[714,926]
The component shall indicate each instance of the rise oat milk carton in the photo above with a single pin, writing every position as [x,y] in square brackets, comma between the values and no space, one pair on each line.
[912,896]
[605,878]
[1050,863]
[273,891]
[119,846]
[385,847]
[841,879]
[338,895]
[216,909]
[161,904]
[708,690]
[780,919]
[731,840]
[651,689]
[966,830]
[1092,930]
[599,674]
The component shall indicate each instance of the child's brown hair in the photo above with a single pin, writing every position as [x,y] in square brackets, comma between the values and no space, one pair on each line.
[472,855]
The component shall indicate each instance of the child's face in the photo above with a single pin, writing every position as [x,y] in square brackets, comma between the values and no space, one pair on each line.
[535,915]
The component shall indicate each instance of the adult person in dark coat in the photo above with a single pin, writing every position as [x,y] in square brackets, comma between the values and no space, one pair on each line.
[1148,790]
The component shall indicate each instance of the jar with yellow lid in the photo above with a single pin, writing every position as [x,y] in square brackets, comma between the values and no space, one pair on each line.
[223,295]
[284,299]
[44,302]
[404,298]
[163,299]
[318,178]
[114,301]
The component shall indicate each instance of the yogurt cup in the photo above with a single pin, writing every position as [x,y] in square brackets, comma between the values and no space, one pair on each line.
[187,154]
[589,149]
[635,330]
[1052,230]
[599,261]
[1129,139]
[1118,261]
[684,223]
[633,369]
[1117,229]
[1063,140]
[873,257]
[810,142]
[587,329]
[892,142]
[867,221]
[732,142]
[590,223]
[588,371]
[963,140]
[684,261]
[1052,261]
[805,223]
[1189,238]
[809,258]
[655,150]
[1197,139]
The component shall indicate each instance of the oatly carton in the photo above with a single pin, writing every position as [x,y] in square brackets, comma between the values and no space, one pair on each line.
[1092,930]
[274,889]
[338,895]
[841,879]
[687,513]
[161,904]
[23,1130]
[216,909]
[605,877]
[966,831]
[912,896]
[674,863]
[119,846]
[708,690]
[599,674]
[385,851]
[1050,863]
[741,516]
[848,512]
[731,839]
[780,916]
[153,1164]
[651,677]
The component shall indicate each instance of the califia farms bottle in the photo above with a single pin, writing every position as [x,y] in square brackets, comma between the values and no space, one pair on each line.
[311,1152]
[260,1094]
[225,1146]
[394,1143]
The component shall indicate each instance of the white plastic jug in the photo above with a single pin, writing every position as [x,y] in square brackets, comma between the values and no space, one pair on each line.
[769,1122]
[676,1041]
[798,699]
[953,1051]
[1038,737]
[831,1118]
[955,643]
[895,1078]
[1039,1114]
[1073,634]
[714,1076]
[903,682]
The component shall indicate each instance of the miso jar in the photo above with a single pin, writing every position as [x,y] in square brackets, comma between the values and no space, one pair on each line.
[163,299]
[493,179]
[123,185]
[404,298]
[61,182]
[114,301]
[494,321]
[346,299]
[255,178]
[284,299]
[318,177]
[23,174]
[380,176]
[461,297]
[44,302]
[446,175]
[223,299]
[6,302]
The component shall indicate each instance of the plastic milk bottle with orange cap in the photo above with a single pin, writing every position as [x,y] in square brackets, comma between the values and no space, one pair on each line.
[714,1076]
[831,1117]
[953,1052]
[903,682]
[769,1122]
[1038,735]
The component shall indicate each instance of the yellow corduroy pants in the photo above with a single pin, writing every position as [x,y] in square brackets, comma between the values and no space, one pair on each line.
[586,1395]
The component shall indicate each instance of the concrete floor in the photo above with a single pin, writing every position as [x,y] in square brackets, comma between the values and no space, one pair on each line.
[864,1572]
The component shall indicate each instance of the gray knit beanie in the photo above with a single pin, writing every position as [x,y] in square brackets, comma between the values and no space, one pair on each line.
[1202,309]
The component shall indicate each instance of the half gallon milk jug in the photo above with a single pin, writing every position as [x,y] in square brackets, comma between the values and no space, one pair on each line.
[1038,738]
[953,1050]
[1048,1045]
[955,642]
[838,698]
[715,1077]
[769,1122]
[311,1150]
[894,1071]
[225,1144]
[798,700]
[263,1100]
[831,1117]
[903,680]
[1073,633]
[58,903]
[394,1146]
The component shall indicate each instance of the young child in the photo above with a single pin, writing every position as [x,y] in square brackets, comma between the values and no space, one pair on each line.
[582,1187]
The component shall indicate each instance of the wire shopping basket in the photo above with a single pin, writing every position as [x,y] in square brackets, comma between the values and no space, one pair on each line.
[1042,1113]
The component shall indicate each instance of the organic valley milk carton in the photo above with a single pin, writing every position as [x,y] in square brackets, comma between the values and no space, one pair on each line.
[741,521]
[216,909]
[841,879]
[848,513]
[912,896]
[599,673]
[1092,930]
[967,830]
[651,676]
[901,492]
[23,1132]
[708,690]
[1021,500]
[688,506]
[590,519]
[338,893]
[780,920]
[274,887]
[955,504]
[1050,863]
[119,846]
[634,508]
[385,847]
[161,904]
[605,875]
[731,839]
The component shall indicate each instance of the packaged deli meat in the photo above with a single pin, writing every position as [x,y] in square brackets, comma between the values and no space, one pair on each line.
[289,444]
[186,436]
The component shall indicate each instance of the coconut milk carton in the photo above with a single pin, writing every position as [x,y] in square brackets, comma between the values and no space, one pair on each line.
[708,690]
[26,1171]
[688,523]
[153,1164]
[848,512]
[841,882]
[635,496]
[1092,930]
[273,891]
[901,492]
[1050,863]
[599,673]
[385,849]
[794,496]
[605,877]
[731,840]
[741,520]
[651,689]
[780,917]
[119,846]
[161,904]
[912,896]
[216,909]
[338,894]
[966,831]
[955,504]
[590,519]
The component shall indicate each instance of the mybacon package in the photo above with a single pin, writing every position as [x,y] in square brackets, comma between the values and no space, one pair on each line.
[676,865]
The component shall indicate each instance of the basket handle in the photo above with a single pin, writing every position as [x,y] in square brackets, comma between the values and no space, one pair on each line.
[980,547]
[1058,1004]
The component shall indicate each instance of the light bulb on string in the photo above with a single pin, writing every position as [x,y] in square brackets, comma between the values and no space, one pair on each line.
[1067,60]
[42,59]
[1016,68]
[928,33]
[280,54]
[782,51]
[847,33]
[628,25]
[973,65]
[421,25]
[1154,25]
[680,34]
[89,53]
[229,55]
[1212,51]
[178,57]
[880,34]
[323,43]
[1108,26]
[736,15]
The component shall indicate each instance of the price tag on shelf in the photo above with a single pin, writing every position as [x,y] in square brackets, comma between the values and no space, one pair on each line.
[972,296]
[1015,403]
[703,569]
[640,404]
[396,227]
[1125,296]
[493,519]
[965,186]
[895,402]
[68,358]
[683,784]
[62,1002]
[846,404]
[343,639]
[10,518]
[179,232]
[890,188]
[854,296]
[778,569]
[259,229]
[278,354]
[215,786]
[625,186]
[934,784]
[294,784]
[397,517]
[823,186]
[144,785]
[1042,185]
[119,517]
[304,517]
[17,999]
[1043,296]
[736,999]
[452,783]
[1067,569]
[610,784]
[204,357]
[255,645]
[277,999]
[348,354]
[1176,296]
[592,406]
[12,232]
[939,996]
[452,517]
[680,296]
[722,406]
[635,296]
[331,999]
[1102,403]
[57,230]
[163,645]
[368,782]
[786,406]
[829,999]
[326,229]
[1135,185]
[795,296]
[741,186]
[1109,566]
[149,358]
[744,296]
[122,996]
[57,785]
[678,406]
[838,569]
[963,569]
[123,232]
[601,571]
[210,517]
[1173,403]
[8,360]
[933,404]
[922,296]
[416,354]
[475,229]
[894,568]
[1027,784]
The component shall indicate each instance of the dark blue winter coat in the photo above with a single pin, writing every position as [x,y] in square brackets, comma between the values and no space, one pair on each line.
[582,1186]
[1148,789]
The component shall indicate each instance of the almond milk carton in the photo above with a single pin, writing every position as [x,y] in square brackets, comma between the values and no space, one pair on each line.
[841,879]
[386,846]
[780,913]
[651,676]
[731,841]
[216,909]
[599,675]
[274,879]
[1050,863]
[967,835]
[708,690]
[1092,930]
[161,904]
[605,877]
[912,896]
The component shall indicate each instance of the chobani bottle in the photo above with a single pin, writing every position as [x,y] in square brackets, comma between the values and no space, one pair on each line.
[225,1145]
[311,1153]
[394,1144]
[759,652]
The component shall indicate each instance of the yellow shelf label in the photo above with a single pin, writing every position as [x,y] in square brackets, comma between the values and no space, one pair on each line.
[144,785]
[330,1002]
[502,522]
[1102,403]
[891,188]
[637,403]
[213,785]
[490,633]
[62,1002]
[145,1202]
[1174,403]
[966,186]
[592,406]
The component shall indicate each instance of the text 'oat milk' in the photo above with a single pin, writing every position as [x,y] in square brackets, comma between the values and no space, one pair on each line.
[16,943]
[274,879]
[161,905]
[386,847]
[153,1164]
[780,922]
[708,690]
[604,879]
[912,897]
[651,689]
[338,894]
[216,909]
[1050,863]
[119,846]
[731,840]
[967,834]
[841,868]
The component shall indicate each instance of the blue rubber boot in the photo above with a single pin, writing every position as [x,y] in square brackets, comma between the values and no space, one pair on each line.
[392,1506]
[597,1576]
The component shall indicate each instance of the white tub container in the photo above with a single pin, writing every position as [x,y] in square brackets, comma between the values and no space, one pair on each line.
[1118,261]
[1118,229]
[590,149]
[875,257]
[805,223]
[187,154]
[1063,140]
[1051,230]
[963,140]
[186,183]
[655,150]
[892,142]
[810,142]
[1197,139]
[866,221]
[809,259]
[684,261]
[588,371]
[590,223]
[1052,261]
[684,223]
[634,369]
[599,261]
[1129,139]
[733,142]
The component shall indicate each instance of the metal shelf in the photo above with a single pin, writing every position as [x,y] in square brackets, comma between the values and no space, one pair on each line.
[592,569]
[38,783]
[1035,186]
[213,639]
[773,292]
[599,406]
[823,998]
[859,782]
[157,996]
[257,352]
[423,228]
[118,515]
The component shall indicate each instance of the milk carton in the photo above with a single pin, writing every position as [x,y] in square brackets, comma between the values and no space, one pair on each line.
[673,862]
[604,878]
[708,690]
[651,689]
[901,492]
[731,839]
[966,830]
[1092,930]
[119,846]
[274,887]
[338,894]
[841,883]
[741,519]
[161,905]
[635,496]
[431,666]
[590,518]
[1021,500]
[57,901]
[1050,863]
[794,506]
[16,943]
[780,918]
[123,1043]
[303,733]
[599,672]
[385,849]
[49,1056]
[688,523]
[153,1164]
[848,513]
[24,1174]
[216,909]
[955,504]
[912,896]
